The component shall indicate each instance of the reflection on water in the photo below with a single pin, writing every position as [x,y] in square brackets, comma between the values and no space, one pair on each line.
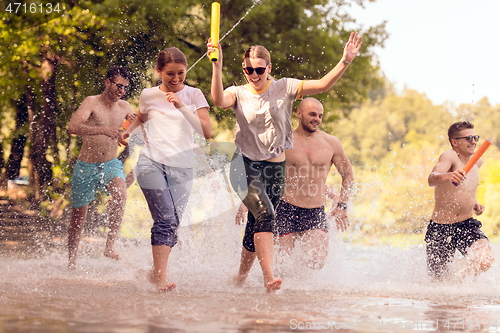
[360,289]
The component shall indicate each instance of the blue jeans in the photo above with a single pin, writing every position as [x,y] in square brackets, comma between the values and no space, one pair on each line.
[167,191]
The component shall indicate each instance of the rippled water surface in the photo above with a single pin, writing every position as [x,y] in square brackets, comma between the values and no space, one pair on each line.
[360,289]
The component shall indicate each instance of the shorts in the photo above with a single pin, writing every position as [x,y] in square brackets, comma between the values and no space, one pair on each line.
[443,239]
[290,218]
[260,185]
[88,178]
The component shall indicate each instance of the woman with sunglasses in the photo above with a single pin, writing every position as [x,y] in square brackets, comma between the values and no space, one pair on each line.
[173,111]
[263,110]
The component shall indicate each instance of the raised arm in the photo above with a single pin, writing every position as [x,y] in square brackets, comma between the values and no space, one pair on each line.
[219,97]
[351,49]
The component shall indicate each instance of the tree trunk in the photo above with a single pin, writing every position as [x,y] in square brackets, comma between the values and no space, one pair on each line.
[19,138]
[3,181]
[15,157]
[43,131]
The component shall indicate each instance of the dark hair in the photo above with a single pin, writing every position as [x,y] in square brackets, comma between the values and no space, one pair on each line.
[457,127]
[169,55]
[115,71]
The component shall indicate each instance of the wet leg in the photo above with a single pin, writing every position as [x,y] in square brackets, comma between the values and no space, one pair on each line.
[264,249]
[246,262]
[478,260]
[78,217]
[316,244]
[116,208]
[286,243]
[158,275]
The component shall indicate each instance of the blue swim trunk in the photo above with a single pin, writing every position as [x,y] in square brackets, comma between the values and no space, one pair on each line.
[290,218]
[88,178]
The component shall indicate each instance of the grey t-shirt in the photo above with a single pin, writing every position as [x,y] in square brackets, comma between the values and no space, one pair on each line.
[264,126]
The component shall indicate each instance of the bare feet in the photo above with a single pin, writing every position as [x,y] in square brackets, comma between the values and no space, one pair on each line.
[273,286]
[110,253]
[161,284]
[166,288]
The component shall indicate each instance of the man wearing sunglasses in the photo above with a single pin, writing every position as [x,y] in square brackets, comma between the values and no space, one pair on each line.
[452,226]
[98,121]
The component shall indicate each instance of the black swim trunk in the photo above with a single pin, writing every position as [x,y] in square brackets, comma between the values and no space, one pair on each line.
[290,218]
[443,239]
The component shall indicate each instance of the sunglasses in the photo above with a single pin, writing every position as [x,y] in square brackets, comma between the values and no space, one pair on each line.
[120,86]
[258,70]
[469,138]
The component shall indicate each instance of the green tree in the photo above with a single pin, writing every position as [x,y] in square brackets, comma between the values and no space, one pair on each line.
[33,47]
[50,62]
[394,142]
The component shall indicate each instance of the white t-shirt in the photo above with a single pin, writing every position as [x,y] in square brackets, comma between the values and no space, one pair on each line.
[264,125]
[169,136]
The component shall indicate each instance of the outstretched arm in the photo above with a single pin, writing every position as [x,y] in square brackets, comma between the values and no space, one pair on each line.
[351,49]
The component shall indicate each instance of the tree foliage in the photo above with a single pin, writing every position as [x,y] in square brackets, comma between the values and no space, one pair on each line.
[394,142]
[50,61]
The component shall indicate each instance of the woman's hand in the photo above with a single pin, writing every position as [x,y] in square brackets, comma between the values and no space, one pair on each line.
[211,48]
[352,47]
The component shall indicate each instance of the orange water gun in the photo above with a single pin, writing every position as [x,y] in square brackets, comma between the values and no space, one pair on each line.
[474,158]
[127,122]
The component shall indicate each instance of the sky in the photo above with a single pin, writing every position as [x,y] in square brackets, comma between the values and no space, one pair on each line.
[448,50]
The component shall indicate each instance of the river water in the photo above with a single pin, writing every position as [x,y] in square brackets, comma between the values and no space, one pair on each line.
[362,288]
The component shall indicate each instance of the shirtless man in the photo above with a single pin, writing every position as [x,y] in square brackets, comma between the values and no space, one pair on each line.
[301,213]
[98,121]
[452,226]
